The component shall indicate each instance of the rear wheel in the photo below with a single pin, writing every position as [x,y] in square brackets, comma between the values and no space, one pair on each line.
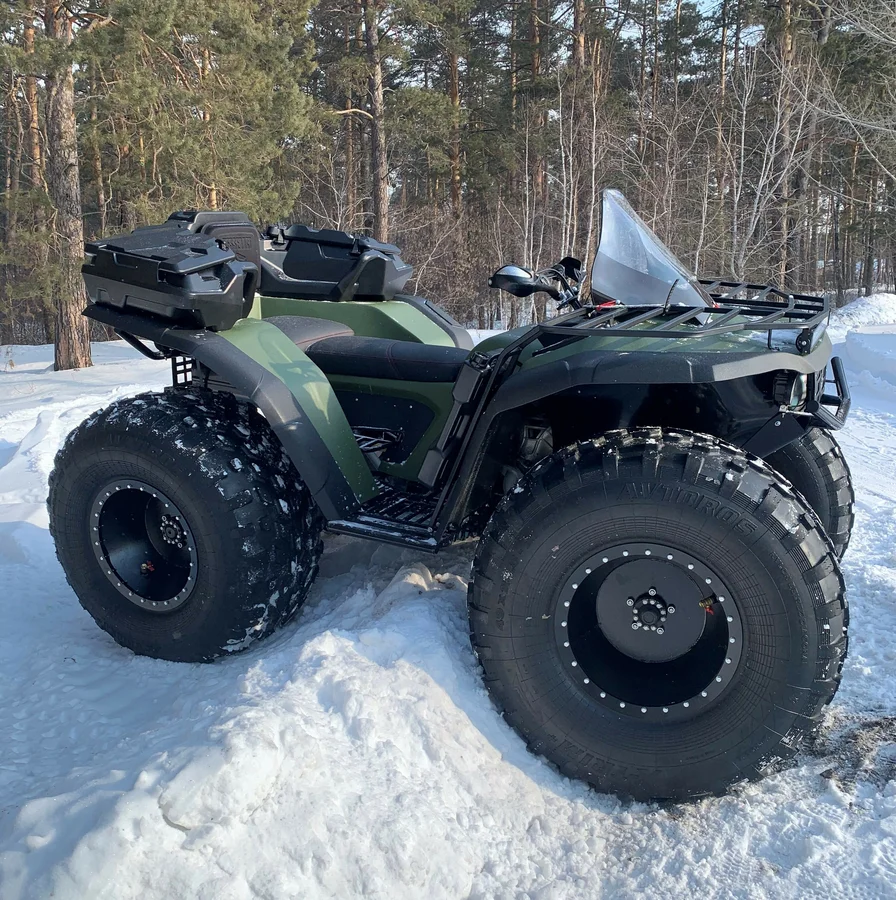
[658,614]
[181,525]
[816,467]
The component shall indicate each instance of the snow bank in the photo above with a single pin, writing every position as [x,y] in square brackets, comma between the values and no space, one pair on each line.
[356,753]
[865,331]
[878,309]
[873,349]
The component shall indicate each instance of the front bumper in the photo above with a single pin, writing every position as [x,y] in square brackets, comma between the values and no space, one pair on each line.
[826,410]
[830,410]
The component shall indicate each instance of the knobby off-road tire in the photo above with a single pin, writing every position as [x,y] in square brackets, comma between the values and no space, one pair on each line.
[587,664]
[181,525]
[816,467]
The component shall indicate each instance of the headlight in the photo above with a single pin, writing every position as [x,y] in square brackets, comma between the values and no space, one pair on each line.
[799,391]
[791,389]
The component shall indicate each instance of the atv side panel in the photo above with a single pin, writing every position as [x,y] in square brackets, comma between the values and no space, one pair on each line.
[417,410]
[260,363]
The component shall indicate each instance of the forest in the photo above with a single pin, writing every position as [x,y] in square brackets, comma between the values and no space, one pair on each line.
[757,138]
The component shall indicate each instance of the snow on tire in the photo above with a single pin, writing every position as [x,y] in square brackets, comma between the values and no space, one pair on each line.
[658,614]
[181,526]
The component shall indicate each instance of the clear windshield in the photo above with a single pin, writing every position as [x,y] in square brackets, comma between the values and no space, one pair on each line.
[633,267]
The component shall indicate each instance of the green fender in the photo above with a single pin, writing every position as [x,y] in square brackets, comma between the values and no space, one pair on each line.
[262,364]
[274,351]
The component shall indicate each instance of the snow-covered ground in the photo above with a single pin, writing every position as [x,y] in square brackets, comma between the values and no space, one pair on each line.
[356,753]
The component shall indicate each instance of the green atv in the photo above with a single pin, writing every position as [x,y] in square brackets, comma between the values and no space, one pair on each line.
[656,598]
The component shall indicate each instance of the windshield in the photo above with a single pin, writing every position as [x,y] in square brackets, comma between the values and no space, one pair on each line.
[634,268]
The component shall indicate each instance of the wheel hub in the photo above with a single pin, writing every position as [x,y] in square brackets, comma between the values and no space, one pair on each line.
[649,611]
[172,531]
[143,545]
[649,631]
[633,604]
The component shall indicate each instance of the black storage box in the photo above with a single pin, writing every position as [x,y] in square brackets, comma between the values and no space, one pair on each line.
[234,228]
[323,264]
[194,280]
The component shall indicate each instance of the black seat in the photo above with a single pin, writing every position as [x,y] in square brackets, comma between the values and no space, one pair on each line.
[304,331]
[383,358]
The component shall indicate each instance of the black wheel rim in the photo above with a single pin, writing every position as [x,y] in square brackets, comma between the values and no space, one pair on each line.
[144,545]
[649,631]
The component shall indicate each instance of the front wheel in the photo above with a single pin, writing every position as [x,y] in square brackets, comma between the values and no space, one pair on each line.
[816,467]
[658,614]
[181,525]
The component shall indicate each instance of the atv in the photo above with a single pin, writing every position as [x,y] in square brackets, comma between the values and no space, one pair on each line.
[655,599]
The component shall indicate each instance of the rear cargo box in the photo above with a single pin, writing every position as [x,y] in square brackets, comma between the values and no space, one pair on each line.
[334,265]
[234,228]
[193,280]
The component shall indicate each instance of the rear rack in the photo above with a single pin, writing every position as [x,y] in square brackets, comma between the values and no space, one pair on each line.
[740,306]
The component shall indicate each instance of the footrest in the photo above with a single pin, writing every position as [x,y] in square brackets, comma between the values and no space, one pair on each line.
[393,518]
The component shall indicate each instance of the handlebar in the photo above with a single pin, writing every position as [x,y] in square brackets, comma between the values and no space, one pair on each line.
[569,273]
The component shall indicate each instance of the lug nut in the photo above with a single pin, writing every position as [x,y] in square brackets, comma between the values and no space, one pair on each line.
[635,625]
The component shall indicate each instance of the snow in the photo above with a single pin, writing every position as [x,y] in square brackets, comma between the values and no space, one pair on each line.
[872,349]
[878,309]
[356,753]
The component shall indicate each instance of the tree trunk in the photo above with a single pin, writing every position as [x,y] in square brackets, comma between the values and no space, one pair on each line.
[13,161]
[34,145]
[514,62]
[781,217]
[350,183]
[837,261]
[72,332]
[454,98]
[870,238]
[538,165]
[379,164]
[38,252]
[580,12]
[642,84]
[97,161]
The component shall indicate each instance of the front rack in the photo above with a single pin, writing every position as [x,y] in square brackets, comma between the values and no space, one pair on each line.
[739,307]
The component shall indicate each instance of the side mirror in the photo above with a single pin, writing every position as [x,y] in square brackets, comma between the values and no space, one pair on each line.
[515,280]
